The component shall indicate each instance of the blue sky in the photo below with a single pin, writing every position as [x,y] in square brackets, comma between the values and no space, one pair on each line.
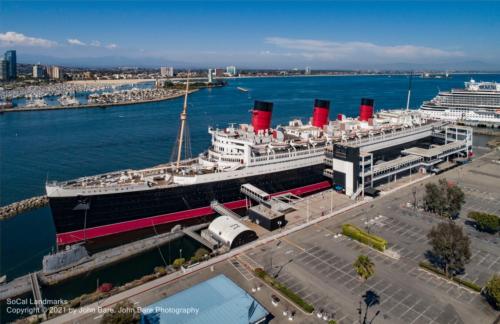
[325,34]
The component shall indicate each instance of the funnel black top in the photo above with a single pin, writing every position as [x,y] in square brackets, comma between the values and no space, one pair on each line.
[263,105]
[367,102]
[322,103]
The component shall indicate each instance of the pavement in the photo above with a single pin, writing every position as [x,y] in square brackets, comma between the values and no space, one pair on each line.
[314,261]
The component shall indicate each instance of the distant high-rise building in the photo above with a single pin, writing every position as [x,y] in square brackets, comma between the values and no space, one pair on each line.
[167,71]
[54,72]
[308,70]
[4,70]
[219,73]
[10,56]
[231,70]
[39,71]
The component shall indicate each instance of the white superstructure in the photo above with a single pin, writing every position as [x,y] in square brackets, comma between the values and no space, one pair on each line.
[239,151]
[478,103]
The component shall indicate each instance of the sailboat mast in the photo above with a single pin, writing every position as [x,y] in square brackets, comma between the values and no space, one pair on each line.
[409,93]
[183,124]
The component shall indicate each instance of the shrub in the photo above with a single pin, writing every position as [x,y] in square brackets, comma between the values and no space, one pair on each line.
[332,322]
[199,255]
[459,281]
[492,291]
[160,270]
[485,222]
[178,263]
[363,237]
[259,272]
[123,313]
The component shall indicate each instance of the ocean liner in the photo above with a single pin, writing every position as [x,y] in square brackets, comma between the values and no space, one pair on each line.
[478,103]
[284,159]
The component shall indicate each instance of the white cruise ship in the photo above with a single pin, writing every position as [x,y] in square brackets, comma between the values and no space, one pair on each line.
[477,104]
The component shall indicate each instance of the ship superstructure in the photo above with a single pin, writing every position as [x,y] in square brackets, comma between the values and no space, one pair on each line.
[287,158]
[478,103]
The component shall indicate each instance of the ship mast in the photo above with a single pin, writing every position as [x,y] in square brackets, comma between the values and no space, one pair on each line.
[409,93]
[183,124]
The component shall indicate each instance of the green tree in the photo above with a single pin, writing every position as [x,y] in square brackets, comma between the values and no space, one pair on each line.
[364,267]
[492,291]
[123,313]
[450,247]
[485,222]
[444,198]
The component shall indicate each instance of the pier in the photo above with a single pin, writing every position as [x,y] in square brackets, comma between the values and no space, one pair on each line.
[22,206]
[191,232]
[25,284]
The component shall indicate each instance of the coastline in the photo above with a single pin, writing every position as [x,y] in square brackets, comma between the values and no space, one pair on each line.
[88,106]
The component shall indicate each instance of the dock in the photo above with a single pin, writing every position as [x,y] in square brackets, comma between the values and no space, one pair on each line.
[191,232]
[26,284]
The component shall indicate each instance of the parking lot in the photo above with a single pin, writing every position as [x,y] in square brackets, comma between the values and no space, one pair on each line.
[316,263]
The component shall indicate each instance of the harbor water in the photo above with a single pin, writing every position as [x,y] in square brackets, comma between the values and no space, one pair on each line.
[60,145]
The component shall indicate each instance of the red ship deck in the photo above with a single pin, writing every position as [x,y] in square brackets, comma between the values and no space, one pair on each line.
[100,231]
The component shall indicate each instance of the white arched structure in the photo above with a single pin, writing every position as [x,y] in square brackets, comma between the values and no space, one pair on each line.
[230,232]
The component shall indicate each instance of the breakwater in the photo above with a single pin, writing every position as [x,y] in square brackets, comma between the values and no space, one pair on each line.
[95,105]
[22,206]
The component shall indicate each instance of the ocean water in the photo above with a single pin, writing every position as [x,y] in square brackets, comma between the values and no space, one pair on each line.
[59,145]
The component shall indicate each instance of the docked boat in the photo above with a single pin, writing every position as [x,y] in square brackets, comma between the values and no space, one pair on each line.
[478,104]
[276,160]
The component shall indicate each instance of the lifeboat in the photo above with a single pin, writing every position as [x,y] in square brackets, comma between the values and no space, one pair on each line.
[296,143]
[316,141]
[278,145]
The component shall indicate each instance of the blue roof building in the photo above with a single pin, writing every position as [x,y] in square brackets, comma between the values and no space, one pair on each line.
[217,300]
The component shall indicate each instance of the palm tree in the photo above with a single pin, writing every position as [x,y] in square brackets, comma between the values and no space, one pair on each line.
[365,268]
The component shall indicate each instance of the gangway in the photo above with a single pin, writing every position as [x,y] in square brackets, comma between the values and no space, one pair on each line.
[223,210]
[37,293]
[254,193]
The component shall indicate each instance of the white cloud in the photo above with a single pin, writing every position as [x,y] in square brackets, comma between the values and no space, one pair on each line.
[111,46]
[74,41]
[95,43]
[13,38]
[332,51]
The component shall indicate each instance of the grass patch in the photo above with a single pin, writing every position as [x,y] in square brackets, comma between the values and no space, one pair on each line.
[369,239]
[308,308]
[459,281]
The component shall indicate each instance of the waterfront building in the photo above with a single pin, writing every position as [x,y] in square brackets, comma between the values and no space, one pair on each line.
[4,67]
[216,300]
[231,70]
[219,73]
[308,70]
[167,71]
[10,56]
[39,71]
[54,72]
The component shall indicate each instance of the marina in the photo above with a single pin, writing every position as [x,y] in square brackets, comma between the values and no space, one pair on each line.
[104,103]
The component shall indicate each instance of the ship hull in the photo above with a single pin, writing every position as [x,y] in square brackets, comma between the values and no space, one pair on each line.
[72,214]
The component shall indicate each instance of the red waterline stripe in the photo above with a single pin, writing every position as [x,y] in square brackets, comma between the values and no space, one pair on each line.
[105,230]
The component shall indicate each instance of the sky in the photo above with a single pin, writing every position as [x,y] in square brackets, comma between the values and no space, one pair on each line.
[259,34]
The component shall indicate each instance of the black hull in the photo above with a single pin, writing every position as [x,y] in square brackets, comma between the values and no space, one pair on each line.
[120,207]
